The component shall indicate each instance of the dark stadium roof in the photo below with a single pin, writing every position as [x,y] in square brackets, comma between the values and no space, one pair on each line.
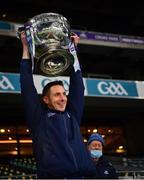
[97,15]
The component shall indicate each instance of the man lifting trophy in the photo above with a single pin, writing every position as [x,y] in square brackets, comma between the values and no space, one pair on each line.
[54,118]
[48,37]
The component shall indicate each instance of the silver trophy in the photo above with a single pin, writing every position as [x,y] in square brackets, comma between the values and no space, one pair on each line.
[48,37]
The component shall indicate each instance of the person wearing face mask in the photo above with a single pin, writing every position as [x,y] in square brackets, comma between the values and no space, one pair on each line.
[104,169]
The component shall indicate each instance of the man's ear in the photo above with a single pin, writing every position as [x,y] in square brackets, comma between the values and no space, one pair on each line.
[45,99]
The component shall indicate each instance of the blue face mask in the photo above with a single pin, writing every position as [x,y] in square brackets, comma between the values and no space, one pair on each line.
[96,153]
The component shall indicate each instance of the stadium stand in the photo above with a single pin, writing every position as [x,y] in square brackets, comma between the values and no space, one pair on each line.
[25,167]
[18,168]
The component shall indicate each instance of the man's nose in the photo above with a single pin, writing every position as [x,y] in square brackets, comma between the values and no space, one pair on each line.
[63,97]
[96,147]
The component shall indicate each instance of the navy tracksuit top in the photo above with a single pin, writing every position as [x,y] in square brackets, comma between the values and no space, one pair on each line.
[104,169]
[57,142]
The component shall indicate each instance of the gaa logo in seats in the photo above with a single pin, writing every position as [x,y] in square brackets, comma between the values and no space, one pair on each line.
[5,84]
[111,88]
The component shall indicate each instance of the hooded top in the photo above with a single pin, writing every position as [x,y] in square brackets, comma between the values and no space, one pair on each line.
[57,142]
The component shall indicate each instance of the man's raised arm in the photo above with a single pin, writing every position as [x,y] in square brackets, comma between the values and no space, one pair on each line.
[76,88]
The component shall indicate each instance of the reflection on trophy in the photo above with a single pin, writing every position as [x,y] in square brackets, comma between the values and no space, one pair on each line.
[48,36]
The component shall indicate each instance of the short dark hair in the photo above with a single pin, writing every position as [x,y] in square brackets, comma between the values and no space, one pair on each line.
[49,85]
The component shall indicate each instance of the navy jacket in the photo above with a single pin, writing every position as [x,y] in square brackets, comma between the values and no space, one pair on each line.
[58,144]
[104,169]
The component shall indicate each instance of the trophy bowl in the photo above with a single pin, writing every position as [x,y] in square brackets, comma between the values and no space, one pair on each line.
[51,38]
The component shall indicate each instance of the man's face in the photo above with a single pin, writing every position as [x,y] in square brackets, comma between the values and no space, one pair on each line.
[95,145]
[56,98]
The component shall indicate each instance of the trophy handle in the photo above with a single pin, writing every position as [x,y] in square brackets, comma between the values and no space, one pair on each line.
[19,30]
